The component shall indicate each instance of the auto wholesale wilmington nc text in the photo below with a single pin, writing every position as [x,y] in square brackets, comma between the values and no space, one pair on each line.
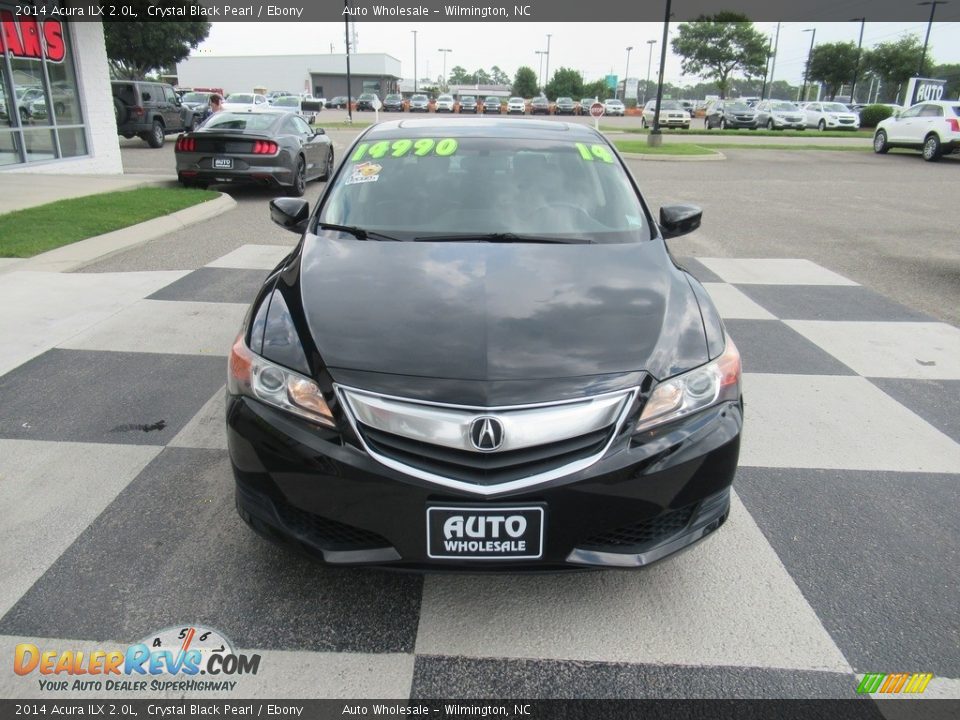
[448,11]
[450,709]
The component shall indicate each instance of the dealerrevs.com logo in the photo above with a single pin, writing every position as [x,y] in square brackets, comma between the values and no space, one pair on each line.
[187,658]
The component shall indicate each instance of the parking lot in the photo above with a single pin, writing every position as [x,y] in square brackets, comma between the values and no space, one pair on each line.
[837,274]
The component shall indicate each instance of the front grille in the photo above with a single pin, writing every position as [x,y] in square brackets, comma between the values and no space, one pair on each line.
[645,533]
[485,468]
[328,534]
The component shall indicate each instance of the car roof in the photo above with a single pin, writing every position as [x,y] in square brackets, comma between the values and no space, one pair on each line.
[481,127]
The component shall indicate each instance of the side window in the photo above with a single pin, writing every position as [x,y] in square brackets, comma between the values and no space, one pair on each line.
[912,112]
[931,111]
[289,127]
[168,94]
[147,94]
[301,125]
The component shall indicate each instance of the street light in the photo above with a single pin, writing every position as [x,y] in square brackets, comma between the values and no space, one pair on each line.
[856,68]
[626,74]
[546,75]
[414,60]
[655,137]
[806,74]
[541,53]
[651,43]
[446,85]
[933,8]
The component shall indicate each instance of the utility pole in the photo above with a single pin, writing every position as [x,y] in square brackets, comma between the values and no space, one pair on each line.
[926,41]
[655,137]
[651,43]
[626,74]
[541,53]
[446,85]
[773,62]
[414,60]
[806,74]
[346,23]
[766,70]
[546,77]
[856,68]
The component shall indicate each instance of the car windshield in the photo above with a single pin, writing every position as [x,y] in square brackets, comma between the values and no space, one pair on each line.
[783,106]
[516,100]
[835,107]
[366,96]
[467,98]
[244,98]
[614,102]
[669,105]
[445,98]
[287,102]
[194,97]
[552,189]
[244,122]
[739,107]
[421,98]
[564,100]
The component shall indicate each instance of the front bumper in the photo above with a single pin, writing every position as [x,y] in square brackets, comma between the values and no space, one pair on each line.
[647,498]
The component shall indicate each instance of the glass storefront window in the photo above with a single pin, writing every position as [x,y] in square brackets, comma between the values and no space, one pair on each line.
[39,95]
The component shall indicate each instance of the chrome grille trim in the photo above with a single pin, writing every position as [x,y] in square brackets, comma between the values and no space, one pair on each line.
[608,409]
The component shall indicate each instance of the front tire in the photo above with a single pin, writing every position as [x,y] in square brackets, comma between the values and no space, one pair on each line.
[299,186]
[328,168]
[770,124]
[932,149]
[156,136]
[880,145]
[723,123]
[822,125]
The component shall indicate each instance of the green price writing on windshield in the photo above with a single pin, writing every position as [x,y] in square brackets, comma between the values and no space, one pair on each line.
[595,152]
[402,147]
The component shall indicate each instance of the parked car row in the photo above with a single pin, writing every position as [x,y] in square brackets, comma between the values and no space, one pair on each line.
[780,115]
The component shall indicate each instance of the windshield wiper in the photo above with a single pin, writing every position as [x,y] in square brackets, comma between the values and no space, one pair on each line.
[358,232]
[504,237]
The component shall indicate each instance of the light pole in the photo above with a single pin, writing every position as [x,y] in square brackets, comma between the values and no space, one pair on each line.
[655,137]
[626,74]
[446,85]
[346,32]
[546,75]
[651,43]
[806,74]
[856,68]
[414,60]
[773,61]
[926,41]
[541,53]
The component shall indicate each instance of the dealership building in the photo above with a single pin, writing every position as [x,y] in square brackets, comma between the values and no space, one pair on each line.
[318,75]
[56,107]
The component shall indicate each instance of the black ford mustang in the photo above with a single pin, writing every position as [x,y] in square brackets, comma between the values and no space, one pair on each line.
[277,149]
[481,354]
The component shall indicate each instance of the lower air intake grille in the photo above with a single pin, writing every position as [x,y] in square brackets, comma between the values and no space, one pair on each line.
[642,534]
[328,534]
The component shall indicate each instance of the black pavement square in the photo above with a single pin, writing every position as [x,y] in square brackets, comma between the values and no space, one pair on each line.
[829,302]
[698,270]
[876,556]
[438,676]
[106,397]
[933,400]
[225,285]
[769,346]
[171,548]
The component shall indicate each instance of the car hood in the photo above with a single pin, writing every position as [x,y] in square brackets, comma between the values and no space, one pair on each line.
[495,311]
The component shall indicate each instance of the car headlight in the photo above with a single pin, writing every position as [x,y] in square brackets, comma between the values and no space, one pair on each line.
[716,382]
[256,377]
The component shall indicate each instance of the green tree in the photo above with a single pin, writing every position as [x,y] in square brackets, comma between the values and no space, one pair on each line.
[951,73]
[717,46]
[596,89]
[459,75]
[498,76]
[832,64]
[565,83]
[525,82]
[482,77]
[136,48]
[895,62]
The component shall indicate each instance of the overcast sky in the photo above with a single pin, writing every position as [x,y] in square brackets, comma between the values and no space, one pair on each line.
[593,48]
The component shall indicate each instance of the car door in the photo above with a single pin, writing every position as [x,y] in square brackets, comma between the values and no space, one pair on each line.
[314,147]
[172,116]
[908,127]
[813,112]
[929,120]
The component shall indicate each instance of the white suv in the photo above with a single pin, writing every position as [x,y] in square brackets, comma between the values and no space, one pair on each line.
[931,127]
[830,116]
[516,105]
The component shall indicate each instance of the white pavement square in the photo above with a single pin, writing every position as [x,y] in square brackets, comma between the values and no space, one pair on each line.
[727,601]
[253,257]
[772,271]
[207,428]
[50,492]
[38,310]
[735,305]
[834,422]
[914,350]
[164,326]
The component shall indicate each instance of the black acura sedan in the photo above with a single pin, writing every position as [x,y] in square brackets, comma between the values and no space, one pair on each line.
[482,355]
[276,149]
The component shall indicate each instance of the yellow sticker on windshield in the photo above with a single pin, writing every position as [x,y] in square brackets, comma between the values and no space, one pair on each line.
[595,152]
[404,146]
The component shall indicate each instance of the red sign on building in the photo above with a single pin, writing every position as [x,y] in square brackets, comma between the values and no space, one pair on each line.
[31,38]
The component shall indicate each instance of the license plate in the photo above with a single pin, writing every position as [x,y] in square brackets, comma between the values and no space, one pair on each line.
[223,163]
[485,533]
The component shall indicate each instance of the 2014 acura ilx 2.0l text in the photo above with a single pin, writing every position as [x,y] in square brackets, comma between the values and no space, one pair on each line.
[481,354]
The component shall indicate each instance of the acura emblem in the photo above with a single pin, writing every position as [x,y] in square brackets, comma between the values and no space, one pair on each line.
[486,434]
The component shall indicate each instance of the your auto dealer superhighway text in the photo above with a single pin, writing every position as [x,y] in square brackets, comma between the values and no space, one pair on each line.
[223,11]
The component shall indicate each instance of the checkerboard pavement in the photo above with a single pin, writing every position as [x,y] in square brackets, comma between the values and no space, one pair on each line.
[840,556]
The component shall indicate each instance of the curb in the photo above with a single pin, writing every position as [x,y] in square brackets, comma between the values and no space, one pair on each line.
[84,252]
[715,155]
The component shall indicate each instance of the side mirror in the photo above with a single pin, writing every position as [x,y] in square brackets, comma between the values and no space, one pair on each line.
[290,213]
[676,220]
[319,131]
